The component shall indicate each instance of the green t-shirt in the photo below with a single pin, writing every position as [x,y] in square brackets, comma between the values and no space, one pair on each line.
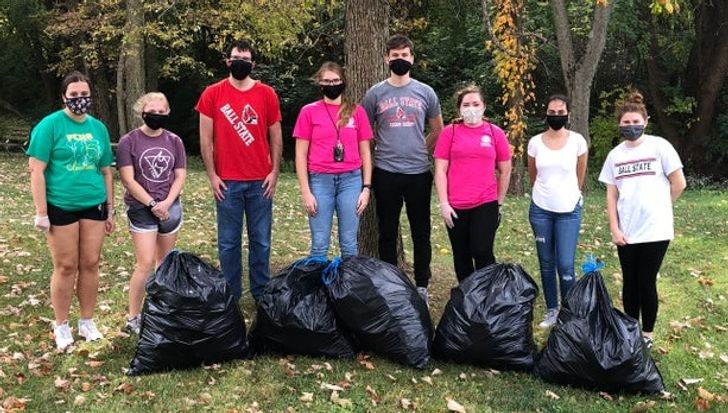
[74,153]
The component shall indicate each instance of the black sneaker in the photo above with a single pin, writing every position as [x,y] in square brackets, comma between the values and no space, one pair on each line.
[649,342]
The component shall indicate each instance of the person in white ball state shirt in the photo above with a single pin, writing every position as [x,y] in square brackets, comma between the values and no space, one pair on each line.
[472,173]
[644,177]
[556,166]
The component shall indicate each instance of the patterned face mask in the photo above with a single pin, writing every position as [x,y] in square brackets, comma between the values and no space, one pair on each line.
[79,105]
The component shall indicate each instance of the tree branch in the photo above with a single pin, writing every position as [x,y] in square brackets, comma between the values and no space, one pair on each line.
[489,29]
[563,37]
[597,39]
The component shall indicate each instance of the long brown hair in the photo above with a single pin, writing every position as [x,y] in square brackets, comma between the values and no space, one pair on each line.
[347,108]
[633,103]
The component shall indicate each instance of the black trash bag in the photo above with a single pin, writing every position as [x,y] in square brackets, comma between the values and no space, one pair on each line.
[487,321]
[189,318]
[381,307]
[296,317]
[596,346]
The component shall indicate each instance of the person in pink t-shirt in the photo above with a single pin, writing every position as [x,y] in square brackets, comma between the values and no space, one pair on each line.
[472,173]
[333,162]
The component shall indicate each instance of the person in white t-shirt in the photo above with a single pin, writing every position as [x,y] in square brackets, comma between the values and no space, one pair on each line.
[556,166]
[644,177]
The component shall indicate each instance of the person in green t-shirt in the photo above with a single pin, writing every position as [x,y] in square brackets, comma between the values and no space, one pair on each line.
[71,181]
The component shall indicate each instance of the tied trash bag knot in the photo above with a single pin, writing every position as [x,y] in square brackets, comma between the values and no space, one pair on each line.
[591,264]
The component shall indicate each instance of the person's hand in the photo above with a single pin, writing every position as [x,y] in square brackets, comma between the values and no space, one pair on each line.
[161,210]
[618,237]
[110,223]
[218,186]
[448,214]
[309,202]
[269,184]
[42,223]
[363,201]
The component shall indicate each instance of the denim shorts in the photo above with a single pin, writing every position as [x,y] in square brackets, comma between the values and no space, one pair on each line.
[141,219]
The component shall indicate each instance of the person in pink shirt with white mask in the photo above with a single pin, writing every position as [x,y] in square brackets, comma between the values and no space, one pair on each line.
[472,173]
[333,162]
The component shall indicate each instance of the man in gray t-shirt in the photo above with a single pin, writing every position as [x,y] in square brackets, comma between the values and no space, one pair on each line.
[398,108]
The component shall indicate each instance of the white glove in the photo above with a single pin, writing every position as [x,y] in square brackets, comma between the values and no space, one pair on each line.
[448,214]
[42,224]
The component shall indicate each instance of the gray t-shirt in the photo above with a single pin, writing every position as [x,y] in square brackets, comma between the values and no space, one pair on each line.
[399,114]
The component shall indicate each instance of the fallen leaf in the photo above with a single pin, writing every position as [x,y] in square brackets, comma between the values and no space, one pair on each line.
[94,364]
[454,406]
[373,395]
[436,372]
[14,404]
[642,407]
[390,377]
[724,358]
[701,405]
[254,408]
[79,400]
[704,394]
[307,397]
[705,281]
[552,395]
[205,398]
[606,396]
[690,381]
[428,380]
[405,404]
[363,361]
[463,376]
[333,387]
[62,384]
[126,388]
[706,355]
[341,402]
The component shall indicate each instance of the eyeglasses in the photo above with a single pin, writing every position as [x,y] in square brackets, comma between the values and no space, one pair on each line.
[330,82]
[246,59]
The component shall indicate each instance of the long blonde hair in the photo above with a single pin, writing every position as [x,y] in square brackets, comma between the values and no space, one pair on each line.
[347,108]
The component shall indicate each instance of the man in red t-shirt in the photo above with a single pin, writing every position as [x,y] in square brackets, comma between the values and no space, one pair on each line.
[241,145]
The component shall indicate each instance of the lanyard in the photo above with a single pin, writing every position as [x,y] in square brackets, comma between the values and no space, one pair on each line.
[336,127]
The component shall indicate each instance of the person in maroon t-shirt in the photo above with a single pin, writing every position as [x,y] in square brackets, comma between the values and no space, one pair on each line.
[241,145]
[153,167]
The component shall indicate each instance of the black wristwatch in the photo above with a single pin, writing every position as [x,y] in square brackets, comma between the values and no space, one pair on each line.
[152,204]
[367,186]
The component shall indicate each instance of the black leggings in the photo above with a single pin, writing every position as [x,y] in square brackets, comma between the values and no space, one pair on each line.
[640,265]
[472,238]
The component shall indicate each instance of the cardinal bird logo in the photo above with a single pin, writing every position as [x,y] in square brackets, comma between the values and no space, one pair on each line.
[250,116]
[401,114]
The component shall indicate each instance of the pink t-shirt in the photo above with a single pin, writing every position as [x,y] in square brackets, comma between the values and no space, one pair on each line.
[472,154]
[318,127]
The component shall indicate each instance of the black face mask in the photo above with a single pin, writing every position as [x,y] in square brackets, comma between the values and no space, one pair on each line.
[333,91]
[631,132]
[155,120]
[556,122]
[400,67]
[240,69]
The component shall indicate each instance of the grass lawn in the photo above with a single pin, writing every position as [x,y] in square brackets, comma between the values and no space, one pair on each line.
[691,332]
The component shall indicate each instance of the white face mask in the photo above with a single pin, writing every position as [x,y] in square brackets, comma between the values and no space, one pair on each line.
[472,115]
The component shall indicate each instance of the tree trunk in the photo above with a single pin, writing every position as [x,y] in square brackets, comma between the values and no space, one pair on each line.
[102,101]
[579,71]
[366,33]
[120,93]
[134,71]
[151,60]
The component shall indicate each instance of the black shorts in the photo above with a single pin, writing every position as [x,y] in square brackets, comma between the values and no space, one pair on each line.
[60,217]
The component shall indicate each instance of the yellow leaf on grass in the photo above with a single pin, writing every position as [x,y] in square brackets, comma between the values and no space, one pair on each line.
[454,406]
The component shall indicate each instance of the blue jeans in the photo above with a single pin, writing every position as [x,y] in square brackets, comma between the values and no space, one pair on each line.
[335,192]
[556,237]
[244,199]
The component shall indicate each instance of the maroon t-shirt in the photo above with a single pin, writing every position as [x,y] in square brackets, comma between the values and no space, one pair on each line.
[154,160]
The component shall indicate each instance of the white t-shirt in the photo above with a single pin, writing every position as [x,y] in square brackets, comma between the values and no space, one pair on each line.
[644,205]
[557,187]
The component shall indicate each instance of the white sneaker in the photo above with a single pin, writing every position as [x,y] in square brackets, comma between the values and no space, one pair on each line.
[423,293]
[62,335]
[134,324]
[550,318]
[87,329]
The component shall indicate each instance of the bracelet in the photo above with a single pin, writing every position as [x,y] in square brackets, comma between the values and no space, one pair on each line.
[366,186]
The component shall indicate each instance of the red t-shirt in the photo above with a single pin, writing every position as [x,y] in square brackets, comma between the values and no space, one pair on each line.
[240,128]
[472,154]
[314,124]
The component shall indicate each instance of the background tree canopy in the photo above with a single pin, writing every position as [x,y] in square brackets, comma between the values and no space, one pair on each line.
[678,58]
